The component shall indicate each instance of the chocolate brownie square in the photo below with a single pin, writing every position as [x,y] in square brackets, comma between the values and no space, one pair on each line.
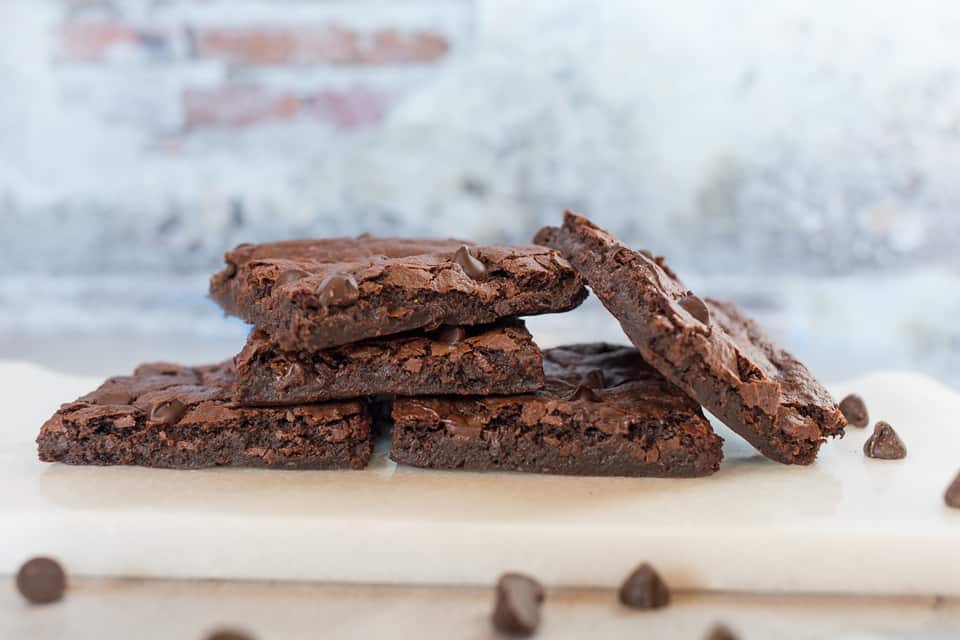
[483,360]
[307,296]
[167,415]
[603,411]
[710,349]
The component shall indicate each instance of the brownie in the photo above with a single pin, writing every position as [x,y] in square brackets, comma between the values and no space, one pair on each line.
[307,296]
[710,349]
[483,360]
[603,411]
[167,415]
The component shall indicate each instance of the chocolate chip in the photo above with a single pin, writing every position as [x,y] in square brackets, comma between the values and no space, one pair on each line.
[168,411]
[952,495]
[517,608]
[230,270]
[583,393]
[855,410]
[229,634]
[595,379]
[293,376]
[644,589]
[695,307]
[338,290]
[884,443]
[41,580]
[450,335]
[721,632]
[471,266]
[290,276]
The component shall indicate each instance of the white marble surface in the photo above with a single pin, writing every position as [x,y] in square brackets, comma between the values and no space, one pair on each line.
[162,609]
[844,525]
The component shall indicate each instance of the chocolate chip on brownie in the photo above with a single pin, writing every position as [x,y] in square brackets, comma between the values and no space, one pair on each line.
[352,289]
[516,610]
[41,580]
[168,415]
[884,443]
[854,409]
[952,495]
[644,589]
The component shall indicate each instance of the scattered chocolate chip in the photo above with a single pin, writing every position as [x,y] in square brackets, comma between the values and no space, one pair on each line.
[229,634]
[595,379]
[471,266]
[168,411]
[583,393]
[290,276]
[230,270]
[952,495]
[41,580]
[450,335]
[338,290]
[293,376]
[854,410]
[884,443]
[720,632]
[644,589]
[517,608]
[695,307]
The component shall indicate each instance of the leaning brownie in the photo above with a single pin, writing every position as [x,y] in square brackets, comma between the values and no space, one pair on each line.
[304,301]
[168,415]
[484,360]
[709,349]
[603,412]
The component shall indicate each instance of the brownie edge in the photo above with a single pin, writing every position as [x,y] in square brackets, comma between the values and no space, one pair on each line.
[602,411]
[484,360]
[172,416]
[710,349]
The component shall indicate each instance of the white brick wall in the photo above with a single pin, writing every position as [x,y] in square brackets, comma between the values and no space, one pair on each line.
[732,136]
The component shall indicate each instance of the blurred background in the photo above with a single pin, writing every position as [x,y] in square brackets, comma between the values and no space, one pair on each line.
[801,158]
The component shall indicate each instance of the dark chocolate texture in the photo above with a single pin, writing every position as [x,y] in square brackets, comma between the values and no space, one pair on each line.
[516,609]
[313,295]
[167,415]
[710,349]
[484,360]
[644,589]
[603,411]
[41,580]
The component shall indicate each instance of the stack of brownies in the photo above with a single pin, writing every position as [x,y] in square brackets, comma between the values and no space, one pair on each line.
[422,339]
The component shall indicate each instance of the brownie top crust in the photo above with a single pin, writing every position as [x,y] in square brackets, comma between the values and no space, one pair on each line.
[168,394]
[709,349]
[309,303]
[608,387]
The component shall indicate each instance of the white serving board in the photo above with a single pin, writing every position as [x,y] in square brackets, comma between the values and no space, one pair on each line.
[846,524]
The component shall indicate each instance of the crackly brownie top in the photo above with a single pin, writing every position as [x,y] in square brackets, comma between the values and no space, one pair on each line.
[172,396]
[653,305]
[606,387]
[310,302]
[406,350]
